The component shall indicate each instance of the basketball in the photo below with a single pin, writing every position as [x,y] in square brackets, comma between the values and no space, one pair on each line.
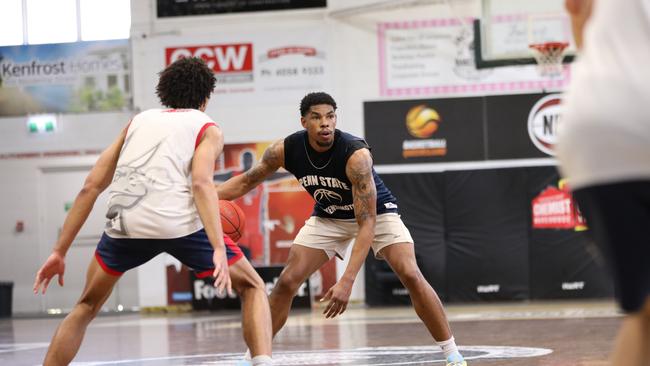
[422,121]
[232,219]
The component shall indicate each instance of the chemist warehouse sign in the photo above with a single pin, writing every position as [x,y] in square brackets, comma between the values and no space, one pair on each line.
[270,66]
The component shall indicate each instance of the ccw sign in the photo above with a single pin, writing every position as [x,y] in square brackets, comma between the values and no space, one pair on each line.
[221,58]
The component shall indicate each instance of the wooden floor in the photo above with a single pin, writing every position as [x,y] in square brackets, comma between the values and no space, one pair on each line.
[531,334]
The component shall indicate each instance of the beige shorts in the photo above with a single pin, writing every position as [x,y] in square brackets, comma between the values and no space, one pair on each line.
[335,235]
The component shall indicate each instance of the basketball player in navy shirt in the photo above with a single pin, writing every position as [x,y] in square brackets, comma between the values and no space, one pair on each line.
[352,202]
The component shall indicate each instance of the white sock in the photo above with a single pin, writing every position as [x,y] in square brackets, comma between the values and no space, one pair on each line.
[448,347]
[262,360]
[247,355]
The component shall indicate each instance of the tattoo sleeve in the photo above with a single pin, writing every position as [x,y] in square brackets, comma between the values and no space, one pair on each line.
[272,160]
[364,193]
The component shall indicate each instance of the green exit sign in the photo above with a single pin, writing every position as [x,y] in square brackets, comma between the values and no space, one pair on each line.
[41,123]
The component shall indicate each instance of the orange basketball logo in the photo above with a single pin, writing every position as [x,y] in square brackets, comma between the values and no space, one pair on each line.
[422,121]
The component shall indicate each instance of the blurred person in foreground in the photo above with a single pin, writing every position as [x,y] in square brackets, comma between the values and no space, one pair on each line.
[604,152]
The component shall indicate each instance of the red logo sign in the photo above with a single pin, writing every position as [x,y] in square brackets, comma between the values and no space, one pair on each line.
[296,50]
[221,58]
[555,209]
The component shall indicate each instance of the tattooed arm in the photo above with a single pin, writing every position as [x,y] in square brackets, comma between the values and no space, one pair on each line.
[239,185]
[364,193]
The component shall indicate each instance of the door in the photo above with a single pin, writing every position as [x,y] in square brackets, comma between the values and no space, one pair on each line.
[58,189]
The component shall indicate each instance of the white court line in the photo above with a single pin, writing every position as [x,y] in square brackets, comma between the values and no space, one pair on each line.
[163,321]
[309,319]
[14,347]
[430,354]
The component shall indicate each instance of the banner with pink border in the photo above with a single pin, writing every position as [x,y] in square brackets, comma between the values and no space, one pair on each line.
[436,57]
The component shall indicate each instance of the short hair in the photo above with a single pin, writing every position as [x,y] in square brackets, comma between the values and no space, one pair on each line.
[185,83]
[316,98]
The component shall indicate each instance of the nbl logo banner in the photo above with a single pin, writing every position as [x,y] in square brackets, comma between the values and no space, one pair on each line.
[543,122]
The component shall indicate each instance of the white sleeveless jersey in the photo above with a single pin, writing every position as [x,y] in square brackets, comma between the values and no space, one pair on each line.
[151,192]
[604,136]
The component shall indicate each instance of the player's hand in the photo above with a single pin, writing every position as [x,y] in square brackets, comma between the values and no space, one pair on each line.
[54,265]
[221,273]
[579,12]
[338,296]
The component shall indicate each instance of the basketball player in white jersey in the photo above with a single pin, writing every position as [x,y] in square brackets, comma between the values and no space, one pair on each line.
[161,199]
[604,151]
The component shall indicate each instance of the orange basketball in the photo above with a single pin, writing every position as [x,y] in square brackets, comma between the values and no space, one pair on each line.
[232,219]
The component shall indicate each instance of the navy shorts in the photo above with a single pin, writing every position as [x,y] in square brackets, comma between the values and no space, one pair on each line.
[117,256]
[618,217]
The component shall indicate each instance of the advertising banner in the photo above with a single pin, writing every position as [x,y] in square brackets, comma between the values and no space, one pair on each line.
[264,67]
[555,208]
[206,297]
[174,8]
[425,131]
[65,78]
[522,126]
[436,57]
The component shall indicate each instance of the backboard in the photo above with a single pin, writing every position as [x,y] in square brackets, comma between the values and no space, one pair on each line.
[507,28]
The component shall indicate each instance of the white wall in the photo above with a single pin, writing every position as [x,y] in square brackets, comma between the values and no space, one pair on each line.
[20,257]
[20,253]
[356,56]
[351,51]
[88,131]
[250,123]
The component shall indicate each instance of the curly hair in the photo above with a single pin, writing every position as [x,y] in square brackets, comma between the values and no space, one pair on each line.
[313,99]
[186,83]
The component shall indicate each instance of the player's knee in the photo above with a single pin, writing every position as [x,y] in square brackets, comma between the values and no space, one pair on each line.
[88,306]
[255,284]
[289,282]
[411,276]
[249,284]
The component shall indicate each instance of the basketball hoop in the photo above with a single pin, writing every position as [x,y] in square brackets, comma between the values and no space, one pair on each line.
[549,57]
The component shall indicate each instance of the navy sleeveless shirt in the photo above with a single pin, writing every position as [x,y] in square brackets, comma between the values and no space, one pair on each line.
[323,174]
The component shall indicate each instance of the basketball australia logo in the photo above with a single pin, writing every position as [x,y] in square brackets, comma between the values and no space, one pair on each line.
[422,122]
[543,122]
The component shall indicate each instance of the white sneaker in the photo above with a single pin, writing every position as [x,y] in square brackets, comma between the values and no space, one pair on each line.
[456,360]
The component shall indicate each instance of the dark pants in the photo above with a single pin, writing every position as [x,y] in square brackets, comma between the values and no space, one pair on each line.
[618,217]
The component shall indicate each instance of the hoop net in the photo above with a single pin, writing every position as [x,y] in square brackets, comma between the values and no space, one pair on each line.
[549,57]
